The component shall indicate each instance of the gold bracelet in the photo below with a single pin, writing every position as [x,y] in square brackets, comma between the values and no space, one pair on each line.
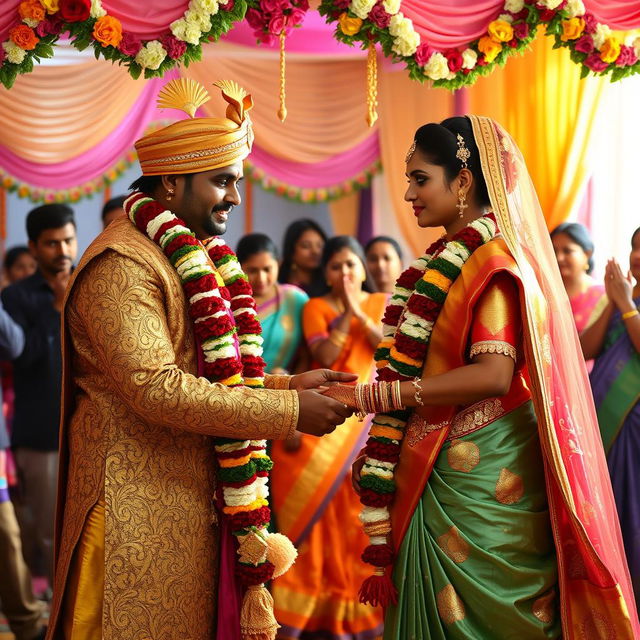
[630,314]
[338,338]
[418,395]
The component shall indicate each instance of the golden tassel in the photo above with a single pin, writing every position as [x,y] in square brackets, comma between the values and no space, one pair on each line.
[257,621]
[372,85]
[282,112]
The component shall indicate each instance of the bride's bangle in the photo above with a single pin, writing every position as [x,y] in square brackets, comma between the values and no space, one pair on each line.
[630,314]
[418,394]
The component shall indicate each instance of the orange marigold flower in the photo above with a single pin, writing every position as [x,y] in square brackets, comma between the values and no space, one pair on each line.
[500,31]
[31,10]
[489,47]
[610,50]
[24,37]
[108,31]
[572,29]
[349,26]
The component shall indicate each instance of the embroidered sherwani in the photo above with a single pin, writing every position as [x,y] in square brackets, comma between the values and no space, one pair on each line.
[137,460]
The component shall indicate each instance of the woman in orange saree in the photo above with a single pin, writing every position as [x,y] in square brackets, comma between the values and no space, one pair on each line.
[485,488]
[312,497]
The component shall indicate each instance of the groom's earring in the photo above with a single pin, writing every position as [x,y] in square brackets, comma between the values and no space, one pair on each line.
[462,202]
[169,195]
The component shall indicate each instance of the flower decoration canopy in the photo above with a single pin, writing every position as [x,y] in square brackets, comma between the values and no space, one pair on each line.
[449,43]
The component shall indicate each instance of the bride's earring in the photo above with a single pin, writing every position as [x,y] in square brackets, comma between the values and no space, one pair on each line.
[462,202]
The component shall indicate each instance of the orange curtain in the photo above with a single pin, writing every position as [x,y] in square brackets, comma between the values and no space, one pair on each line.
[344,214]
[404,105]
[550,112]
[326,100]
[58,112]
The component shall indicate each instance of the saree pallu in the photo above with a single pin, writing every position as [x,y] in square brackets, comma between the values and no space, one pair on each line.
[478,559]
[315,505]
[615,380]
[281,321]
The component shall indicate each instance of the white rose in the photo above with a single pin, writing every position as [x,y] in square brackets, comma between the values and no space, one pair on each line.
[361,8]
[391,6]
[469,59]
[515,6]
[198,18]
[636,46]
[575,8]
[14,53]
[178,28]
[506,17]
[437,68]
[407,44]
[601,34]
[399,26]
[550,4]
[209,7]
[96,9]
[152,55]
[31,22]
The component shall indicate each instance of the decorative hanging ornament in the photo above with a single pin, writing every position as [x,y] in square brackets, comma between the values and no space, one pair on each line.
[372,85]
[282,112]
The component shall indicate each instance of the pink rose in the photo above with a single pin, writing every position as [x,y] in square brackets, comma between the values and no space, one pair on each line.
[229,6]
[303,4]
[423,53]
[264,37]
[2,55]
[51,26]
[342,4]
[454,60]
[175,48]
[523,14]
[273,6]
[595,63]
[585,44]
[130,44]
[255,19]
[482,61]
[277,24]
[379,16]
[627,56]
[513,43]
[296,17]
[590,23]
[521,30]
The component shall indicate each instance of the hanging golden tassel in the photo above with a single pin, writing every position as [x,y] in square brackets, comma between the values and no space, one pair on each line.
[282,112]
[372,85]
[257,621]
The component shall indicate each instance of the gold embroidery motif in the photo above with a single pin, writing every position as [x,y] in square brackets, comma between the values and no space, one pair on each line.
[493,346]
[509,488]
[544,607]
[274,381]
[252,549]
[463,456]
[476,416]
[450,607]
[546,348]
[418,428]
[202,153]
[597,627]
[454,546]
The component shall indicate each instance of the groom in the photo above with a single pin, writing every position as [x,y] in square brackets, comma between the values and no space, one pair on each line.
[137,530]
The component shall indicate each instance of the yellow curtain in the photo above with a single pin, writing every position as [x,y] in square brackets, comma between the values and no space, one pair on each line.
[550,112]
[58,112]
[344,214]
[404,105]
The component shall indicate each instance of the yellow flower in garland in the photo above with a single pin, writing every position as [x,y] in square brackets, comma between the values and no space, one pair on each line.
[572,29]
[349,26]
[610,50]
[52,6]
[500,31]
[108,31]
[489,47]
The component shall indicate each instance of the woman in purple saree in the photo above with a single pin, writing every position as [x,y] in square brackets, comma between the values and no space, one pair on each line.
[614,341]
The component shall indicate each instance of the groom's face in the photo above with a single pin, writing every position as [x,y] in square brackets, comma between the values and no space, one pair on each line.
[205,200]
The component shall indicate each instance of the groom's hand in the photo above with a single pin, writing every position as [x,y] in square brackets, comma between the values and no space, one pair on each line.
[318,414]
[319,378]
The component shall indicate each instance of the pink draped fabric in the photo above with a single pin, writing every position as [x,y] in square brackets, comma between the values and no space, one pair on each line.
[444,24]
[8,17]
[147,20]
[314,37]
[622,15]
[99,159]
[329,172]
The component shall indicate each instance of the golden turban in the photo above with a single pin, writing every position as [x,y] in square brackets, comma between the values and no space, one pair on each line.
[197,144]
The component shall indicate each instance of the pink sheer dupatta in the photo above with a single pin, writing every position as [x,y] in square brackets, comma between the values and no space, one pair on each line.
[595,588]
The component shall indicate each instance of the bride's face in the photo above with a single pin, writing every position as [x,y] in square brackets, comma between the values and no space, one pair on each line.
[432,197]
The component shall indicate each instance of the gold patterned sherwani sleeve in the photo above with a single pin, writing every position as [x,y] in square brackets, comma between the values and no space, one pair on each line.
[124,306]
[277,381]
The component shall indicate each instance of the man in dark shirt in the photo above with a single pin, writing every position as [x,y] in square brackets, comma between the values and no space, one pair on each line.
[35,304]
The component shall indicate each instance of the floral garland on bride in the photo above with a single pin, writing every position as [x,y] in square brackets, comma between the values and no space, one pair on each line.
[413,309]
[228,331]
